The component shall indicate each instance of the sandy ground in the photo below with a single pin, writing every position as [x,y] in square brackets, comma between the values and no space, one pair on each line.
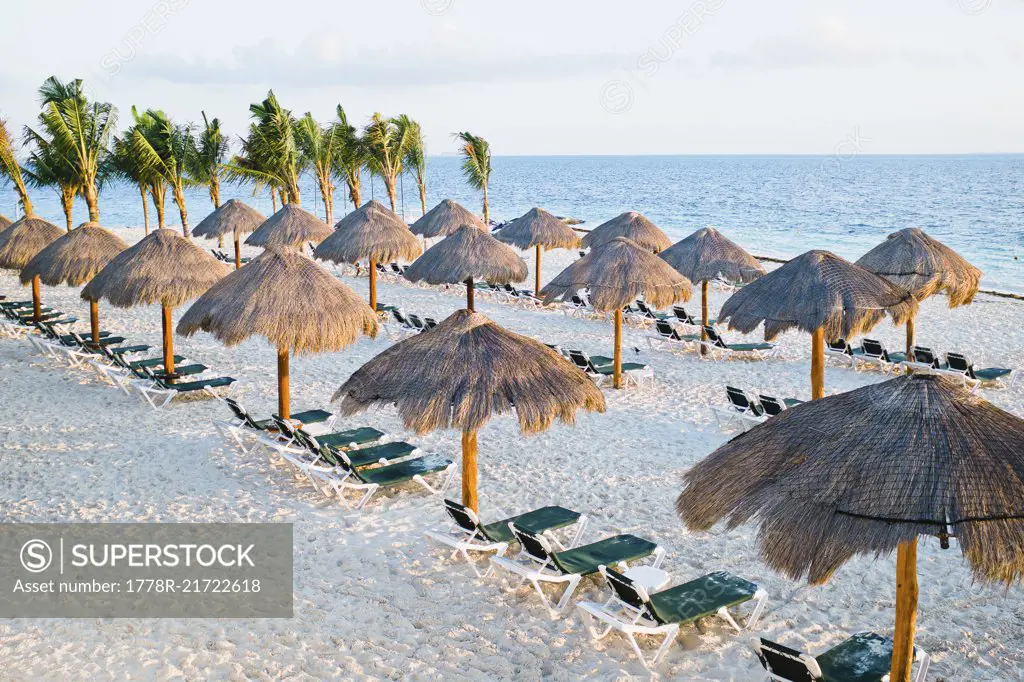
[372,598]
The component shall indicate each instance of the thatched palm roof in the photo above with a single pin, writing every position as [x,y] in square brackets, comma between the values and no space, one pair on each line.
[861,472]
[630,225]
[913,260]
[371,232]
[75,257]
[466,370]
[444,219]
[537,227]
[290,226]
[5,222]
[817,289]
[468,253]
[707,254]
[162,268]
[616,274]
[232,217]
[26,237]
[285,297]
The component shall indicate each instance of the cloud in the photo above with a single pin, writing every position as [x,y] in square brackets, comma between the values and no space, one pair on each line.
[829,44]
[318,63]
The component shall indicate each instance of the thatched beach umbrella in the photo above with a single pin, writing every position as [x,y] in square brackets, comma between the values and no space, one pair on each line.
[924,266]
[467,255]
[291,301]
[233,217]
[374,233]
[822,294]
[705,255]
[867,472]
[541,230]
[632,226]
[445,219]
[20,243]
[163,268]
[291,226]
[616,274]
[74,259]
[464,371]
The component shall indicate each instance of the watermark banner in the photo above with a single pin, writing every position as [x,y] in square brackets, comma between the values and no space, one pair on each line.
[146,570]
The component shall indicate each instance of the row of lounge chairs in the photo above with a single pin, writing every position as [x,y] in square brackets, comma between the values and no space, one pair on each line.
[550,553]
[337,463]
[668,337]
[747,410]
[639,602]
[601,368]
[506,293]
[114,361]
[401,324]
[873,353]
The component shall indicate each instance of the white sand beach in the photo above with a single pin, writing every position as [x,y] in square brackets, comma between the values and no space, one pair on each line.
[375,600]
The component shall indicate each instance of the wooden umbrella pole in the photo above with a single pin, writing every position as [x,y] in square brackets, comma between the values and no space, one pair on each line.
[373,286]
[818,364]
[168,341]
[469,496]
[906,612]
[94,321]
[536,286]
[704,317]
[469,295]
[617,383]
[283,388]
[910,337]
[238,251]
[37,308]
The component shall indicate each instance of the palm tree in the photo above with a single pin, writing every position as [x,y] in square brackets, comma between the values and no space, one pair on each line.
[167,150]
[80,132]
[476,164]
[47,168]
[124,165]
[415,155]
[210,155]
[270,154]
[351,158]
[11,169]
[320,147]
[386,143]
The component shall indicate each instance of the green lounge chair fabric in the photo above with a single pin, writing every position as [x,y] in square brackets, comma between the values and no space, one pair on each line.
[598,360]
[991,373]
[864,657]
[344,439]
[199,385]
[124,350]
[152,362]
[309,416]
[608,552]
[743,347]
[702,597]
[537,521]
[792,402]
[608,370]
[373,454]
[393,474]
[185,371]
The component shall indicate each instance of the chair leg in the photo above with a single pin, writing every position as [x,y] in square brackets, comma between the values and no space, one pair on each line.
[760,599]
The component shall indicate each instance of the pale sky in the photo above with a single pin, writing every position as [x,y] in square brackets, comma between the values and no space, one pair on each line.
[557,76]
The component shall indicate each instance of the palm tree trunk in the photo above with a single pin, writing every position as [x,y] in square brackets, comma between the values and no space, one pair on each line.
[215,198]
[325,194]
[145,208]
[273,198]
[355,193]
[179,199]
[67,199]
[92,201]
[158,201]
[422,182]
[389,182]
[487,209]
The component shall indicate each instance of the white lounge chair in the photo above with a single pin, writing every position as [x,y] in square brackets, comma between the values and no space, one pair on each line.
[632,610]
[863,657]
